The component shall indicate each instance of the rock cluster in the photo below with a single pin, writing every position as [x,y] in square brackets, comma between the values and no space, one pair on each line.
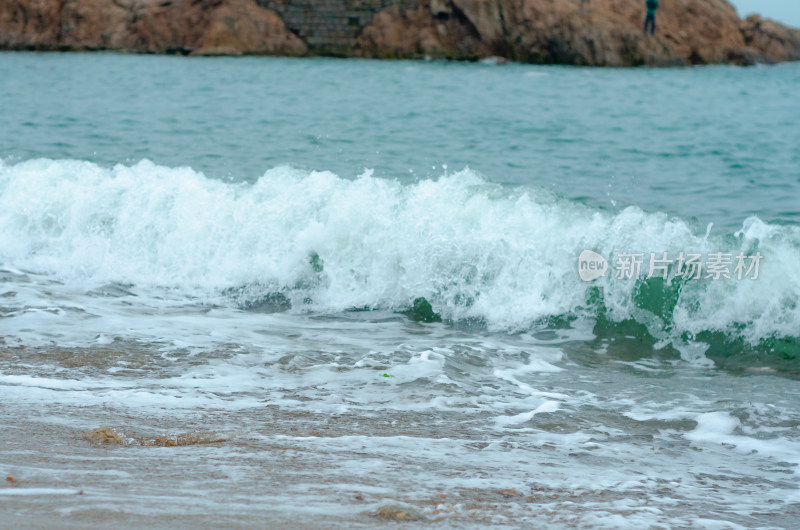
[600,33]
[206,27]
[597,32]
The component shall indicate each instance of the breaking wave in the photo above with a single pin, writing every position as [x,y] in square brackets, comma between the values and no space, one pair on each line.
[312,241]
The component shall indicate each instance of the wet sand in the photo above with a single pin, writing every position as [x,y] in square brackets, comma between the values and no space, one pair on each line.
[274,468]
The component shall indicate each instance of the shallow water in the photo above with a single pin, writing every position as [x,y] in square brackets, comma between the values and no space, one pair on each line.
[251,283]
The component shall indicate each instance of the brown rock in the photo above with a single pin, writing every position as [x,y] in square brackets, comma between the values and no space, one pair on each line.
[156,26]
[769,40]
[30,24]
[93,24]
[104,435]
[486,17]
[559,31]
[107,435]
[539,31]
[397,512]
[244,27]
[508,493]
[417,33]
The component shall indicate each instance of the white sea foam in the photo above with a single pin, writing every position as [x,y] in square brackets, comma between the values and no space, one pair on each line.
[547,406]
[474,249]
[38,491]
[719,428]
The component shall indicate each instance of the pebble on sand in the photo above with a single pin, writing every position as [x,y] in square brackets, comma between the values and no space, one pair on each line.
[508,493]
[104,435]
[397,512]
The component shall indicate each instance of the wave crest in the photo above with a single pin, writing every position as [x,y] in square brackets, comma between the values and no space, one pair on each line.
[474,249]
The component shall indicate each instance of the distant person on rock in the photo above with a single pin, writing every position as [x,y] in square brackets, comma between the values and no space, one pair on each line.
[650,19]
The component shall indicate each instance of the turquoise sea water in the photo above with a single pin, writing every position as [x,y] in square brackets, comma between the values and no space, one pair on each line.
[717,144]
[244,249]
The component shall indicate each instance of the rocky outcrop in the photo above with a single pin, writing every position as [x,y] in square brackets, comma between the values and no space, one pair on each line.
[229,27]
[597,32]
[773,42]
[607,33]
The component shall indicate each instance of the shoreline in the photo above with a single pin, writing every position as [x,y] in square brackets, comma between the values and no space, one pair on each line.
[487,61]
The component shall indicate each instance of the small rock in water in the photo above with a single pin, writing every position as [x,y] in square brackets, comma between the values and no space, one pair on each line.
[508,493]
[398,512]
[107,435]
[104,435]
[10,478]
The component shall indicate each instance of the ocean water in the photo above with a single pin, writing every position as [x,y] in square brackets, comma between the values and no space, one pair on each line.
[300,291]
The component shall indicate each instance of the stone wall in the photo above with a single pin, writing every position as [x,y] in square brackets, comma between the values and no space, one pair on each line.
[331,27]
